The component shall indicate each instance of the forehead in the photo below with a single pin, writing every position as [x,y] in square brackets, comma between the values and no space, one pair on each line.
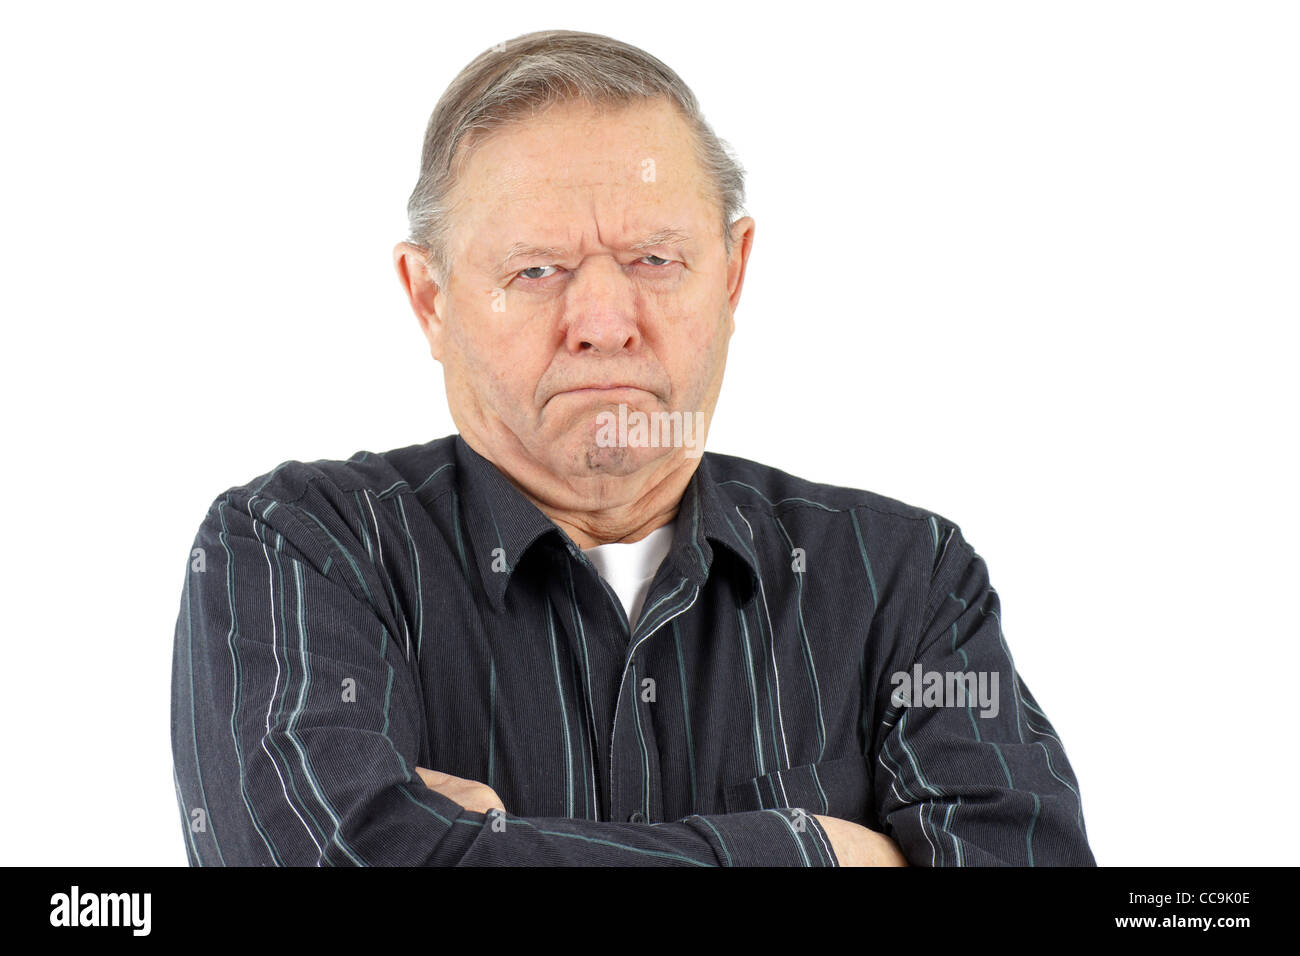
[579,169]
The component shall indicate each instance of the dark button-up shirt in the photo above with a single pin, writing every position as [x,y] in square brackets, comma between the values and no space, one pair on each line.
[343,622]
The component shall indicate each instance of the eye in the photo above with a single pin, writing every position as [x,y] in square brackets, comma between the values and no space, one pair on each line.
[538,272]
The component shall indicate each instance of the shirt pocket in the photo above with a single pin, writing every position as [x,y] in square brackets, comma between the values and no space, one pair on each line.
[834,788]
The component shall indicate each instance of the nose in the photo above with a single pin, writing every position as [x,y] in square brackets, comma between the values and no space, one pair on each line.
[600,309]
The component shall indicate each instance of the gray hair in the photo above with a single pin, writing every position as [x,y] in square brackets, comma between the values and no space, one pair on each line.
[519,77]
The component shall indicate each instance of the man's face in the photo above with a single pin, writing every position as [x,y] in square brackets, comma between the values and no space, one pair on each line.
[587,270]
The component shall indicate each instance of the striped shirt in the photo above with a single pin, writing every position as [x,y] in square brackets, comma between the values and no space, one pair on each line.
[343,622]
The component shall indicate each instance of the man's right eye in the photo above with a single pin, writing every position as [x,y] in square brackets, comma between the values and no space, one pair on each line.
[536,272]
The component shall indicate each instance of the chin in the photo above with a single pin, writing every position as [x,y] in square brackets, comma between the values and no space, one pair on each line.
[585,457]
[612,461]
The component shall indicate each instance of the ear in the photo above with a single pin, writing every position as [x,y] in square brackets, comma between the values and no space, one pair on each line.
[742,241]
[425,295]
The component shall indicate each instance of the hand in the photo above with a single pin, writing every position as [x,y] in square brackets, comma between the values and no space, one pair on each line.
[855,845]
[470,794]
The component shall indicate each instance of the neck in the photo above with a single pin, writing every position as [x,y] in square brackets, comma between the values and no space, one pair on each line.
[628,523]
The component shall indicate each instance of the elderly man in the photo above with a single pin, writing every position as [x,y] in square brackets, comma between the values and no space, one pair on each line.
[564,635]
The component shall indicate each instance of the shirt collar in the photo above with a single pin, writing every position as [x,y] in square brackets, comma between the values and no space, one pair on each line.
[504,525]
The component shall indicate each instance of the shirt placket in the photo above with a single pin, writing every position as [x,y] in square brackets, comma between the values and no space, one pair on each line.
[636,782]
[597,633]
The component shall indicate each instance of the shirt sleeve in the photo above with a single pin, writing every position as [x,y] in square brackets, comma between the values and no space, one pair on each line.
[970,771]
[297,723]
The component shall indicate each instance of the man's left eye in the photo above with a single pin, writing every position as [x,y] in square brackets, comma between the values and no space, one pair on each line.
[660,261]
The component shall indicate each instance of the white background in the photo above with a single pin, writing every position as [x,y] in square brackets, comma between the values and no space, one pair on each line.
[1030,265]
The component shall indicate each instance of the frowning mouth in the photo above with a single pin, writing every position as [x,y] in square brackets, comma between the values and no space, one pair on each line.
[599,390]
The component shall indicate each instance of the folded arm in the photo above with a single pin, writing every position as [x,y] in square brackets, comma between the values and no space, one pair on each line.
[976,779]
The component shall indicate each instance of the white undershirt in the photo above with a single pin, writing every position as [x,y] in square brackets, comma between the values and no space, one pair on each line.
[629,568]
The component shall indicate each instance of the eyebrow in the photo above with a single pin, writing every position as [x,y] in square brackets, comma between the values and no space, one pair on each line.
[662,237]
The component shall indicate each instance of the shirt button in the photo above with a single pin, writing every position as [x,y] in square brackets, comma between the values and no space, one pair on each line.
[637,817]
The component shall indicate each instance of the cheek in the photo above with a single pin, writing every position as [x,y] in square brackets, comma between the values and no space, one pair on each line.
[506,354]
[693,356]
